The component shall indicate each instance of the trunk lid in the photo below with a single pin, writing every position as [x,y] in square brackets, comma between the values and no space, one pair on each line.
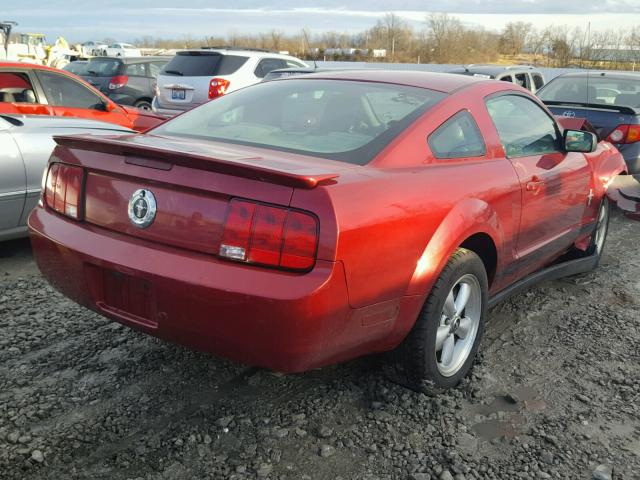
[192,183]
[603,119]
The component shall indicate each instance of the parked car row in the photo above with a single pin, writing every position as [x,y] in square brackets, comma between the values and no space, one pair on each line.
[38,90]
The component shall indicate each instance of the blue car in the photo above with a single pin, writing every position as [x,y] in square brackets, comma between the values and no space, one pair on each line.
[610,101]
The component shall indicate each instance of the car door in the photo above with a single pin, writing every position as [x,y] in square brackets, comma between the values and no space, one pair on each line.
[13,180]
[555,184]
[70,98]
[19,93]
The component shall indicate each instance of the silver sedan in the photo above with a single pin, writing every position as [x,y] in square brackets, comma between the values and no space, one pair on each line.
[26,143]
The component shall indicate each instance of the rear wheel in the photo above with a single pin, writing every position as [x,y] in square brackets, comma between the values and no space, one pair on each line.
[143,104]
[441,347]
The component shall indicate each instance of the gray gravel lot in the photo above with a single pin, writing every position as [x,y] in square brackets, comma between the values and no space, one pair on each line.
[555,394]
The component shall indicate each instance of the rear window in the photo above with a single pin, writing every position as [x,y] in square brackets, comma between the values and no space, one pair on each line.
[77,68]
[593,90]
[203,64]
[103,67]
[339,120]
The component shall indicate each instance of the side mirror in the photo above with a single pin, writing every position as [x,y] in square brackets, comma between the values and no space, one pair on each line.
[104,107]
[580,141]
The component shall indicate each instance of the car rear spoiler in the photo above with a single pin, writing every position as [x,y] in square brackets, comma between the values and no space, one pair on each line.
[161,158]
[595,106]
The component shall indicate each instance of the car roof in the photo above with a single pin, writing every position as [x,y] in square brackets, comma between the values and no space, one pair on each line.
[247,52]
[603,73]
[442,82]
[493,70]
[148,58]
[23,65]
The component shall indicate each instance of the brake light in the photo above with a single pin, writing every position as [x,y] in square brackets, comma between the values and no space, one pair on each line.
[118,81]
[218,87]
[268,235]
[63,189]
[625,134]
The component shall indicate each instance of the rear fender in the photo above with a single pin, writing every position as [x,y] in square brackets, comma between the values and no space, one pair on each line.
[467,218]
[606,164]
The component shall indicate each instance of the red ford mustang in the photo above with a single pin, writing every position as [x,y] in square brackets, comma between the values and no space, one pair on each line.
[310,220]
[38,90]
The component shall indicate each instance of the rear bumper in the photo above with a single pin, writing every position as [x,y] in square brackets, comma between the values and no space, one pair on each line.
[168,112]
[278,320]
[631,155]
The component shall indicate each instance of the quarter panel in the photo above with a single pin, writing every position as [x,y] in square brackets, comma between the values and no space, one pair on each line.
[399,227]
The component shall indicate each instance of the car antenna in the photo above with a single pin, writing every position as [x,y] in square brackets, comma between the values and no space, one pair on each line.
[315,54]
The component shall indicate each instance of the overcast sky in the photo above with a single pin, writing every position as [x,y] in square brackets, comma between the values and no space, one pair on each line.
[126,20]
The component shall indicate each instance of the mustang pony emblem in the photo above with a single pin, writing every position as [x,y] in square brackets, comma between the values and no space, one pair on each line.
[142,208]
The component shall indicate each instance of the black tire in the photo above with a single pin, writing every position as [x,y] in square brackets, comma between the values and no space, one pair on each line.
[414,363]
[143,104]
[600,231]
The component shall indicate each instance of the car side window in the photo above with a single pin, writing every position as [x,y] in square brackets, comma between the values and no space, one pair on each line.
[15,87]
[458,137]
[523,126]
[267,64]
[292,64]
[521,80]
[65,92]
[506,78]
[537,80]
[135,70]
[155,68]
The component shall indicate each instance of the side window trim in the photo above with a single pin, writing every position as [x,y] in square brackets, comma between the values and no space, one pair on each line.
[526,97]
[460,155]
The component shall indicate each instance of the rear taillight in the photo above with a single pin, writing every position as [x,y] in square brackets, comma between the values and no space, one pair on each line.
[625,134]
[268,235]
[63,189]
[118,81]
[218,87]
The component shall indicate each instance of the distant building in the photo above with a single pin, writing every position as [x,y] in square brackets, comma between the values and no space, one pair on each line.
[612,53]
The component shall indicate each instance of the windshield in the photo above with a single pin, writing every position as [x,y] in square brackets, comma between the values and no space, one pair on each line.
[620,92]
[104,67]
[340,120]
[202,64]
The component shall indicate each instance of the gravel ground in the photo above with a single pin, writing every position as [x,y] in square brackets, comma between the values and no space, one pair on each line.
[555,394]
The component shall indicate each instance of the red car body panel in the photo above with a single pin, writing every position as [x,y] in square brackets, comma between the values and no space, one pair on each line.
[387,230]
[124,116]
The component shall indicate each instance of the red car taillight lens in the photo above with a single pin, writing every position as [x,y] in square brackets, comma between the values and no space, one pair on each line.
[625,134]
[218,87]
[118,81]
[267,235]
[63,189]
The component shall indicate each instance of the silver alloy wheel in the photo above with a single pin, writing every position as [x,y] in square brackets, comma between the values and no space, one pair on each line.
[601,226]
[458,326]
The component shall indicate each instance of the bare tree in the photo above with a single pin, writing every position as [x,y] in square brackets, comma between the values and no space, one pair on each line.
[514,37]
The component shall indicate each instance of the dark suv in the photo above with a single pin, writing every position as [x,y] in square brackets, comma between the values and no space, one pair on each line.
[126,80]
[610,101]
